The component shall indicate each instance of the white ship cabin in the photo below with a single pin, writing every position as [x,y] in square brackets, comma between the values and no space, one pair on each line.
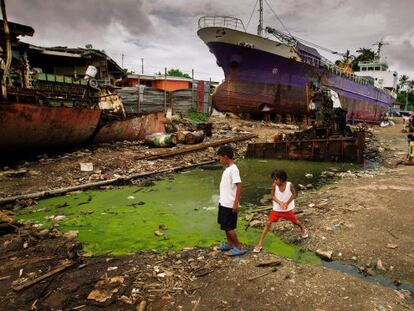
[378,71]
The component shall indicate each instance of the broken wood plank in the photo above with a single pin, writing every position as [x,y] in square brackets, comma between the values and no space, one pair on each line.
[64,266]
[269,263]
[262,209]
[261,275]
[202,272]
[170,153]
[59,191]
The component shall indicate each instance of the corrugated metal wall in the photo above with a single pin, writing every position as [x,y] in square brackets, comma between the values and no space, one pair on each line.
[145,99]
[181,101]
[142,99]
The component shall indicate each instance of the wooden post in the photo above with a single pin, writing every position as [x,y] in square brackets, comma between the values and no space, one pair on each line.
[165,90]
[192,87]
[8,53]
[139,94]
[209,110]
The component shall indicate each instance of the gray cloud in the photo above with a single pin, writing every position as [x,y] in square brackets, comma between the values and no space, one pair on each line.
[401,55]
[81,15]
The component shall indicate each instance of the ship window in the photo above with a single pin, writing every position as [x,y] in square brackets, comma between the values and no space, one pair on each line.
[370,68]
[377,68]
[364,69]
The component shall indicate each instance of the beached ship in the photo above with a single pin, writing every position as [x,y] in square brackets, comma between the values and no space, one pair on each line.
[281,77]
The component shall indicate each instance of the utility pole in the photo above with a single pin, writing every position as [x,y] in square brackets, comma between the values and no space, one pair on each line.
[208,97]
[122,60]
[192,86]
[142,66]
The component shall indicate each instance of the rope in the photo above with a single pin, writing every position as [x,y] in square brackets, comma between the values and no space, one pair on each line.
[280,21]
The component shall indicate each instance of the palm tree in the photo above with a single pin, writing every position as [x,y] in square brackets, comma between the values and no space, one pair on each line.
[403,83]
[346,62]
[365,55]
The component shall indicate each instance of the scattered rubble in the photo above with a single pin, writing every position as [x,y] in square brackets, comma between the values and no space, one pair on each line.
[196,277]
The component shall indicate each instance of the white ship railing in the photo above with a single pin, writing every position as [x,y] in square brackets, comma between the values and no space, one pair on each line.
[340,72]
[221,21]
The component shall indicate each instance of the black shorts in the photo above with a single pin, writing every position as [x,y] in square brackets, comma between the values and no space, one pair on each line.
[226,218]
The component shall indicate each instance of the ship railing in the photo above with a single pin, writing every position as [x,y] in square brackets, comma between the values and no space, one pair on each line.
[221,21]
[340,72]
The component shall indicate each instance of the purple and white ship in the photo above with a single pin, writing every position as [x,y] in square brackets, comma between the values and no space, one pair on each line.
[280,77]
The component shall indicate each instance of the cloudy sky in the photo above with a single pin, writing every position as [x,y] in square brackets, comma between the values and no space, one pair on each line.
[163,32]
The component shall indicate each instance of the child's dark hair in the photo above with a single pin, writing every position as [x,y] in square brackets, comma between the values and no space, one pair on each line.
[410,137]
[226,150]
[279,174]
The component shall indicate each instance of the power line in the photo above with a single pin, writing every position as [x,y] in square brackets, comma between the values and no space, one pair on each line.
[280,21]
[300,39]
[251,15]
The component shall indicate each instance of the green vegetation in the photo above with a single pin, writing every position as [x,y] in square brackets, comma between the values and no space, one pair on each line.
[175,73]
[196,116]
[406,92]
[365,55]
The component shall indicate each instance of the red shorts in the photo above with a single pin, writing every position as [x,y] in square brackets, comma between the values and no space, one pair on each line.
[289,215]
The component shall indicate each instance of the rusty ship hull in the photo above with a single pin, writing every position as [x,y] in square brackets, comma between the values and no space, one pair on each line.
[34,127]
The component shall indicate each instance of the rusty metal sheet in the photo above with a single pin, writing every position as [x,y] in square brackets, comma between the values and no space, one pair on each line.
[32,126]
[344,149]
[135,128]
[256,97]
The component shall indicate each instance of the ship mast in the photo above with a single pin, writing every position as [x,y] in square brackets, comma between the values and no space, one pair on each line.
[380,44]
[260,26]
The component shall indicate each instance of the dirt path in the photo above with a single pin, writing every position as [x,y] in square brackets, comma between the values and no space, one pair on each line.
[366,219]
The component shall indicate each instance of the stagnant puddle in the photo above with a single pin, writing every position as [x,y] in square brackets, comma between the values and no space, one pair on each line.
[182,210]
[380,279]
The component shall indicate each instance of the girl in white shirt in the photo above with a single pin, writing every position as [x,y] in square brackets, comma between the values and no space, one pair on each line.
[283,199]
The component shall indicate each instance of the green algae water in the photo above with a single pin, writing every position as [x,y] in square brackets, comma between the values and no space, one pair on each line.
[182,211]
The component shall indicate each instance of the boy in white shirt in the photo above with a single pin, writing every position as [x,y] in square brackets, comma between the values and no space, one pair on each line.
[230,189]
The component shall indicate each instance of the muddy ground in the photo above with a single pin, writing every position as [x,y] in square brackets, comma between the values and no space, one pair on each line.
[362,218]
